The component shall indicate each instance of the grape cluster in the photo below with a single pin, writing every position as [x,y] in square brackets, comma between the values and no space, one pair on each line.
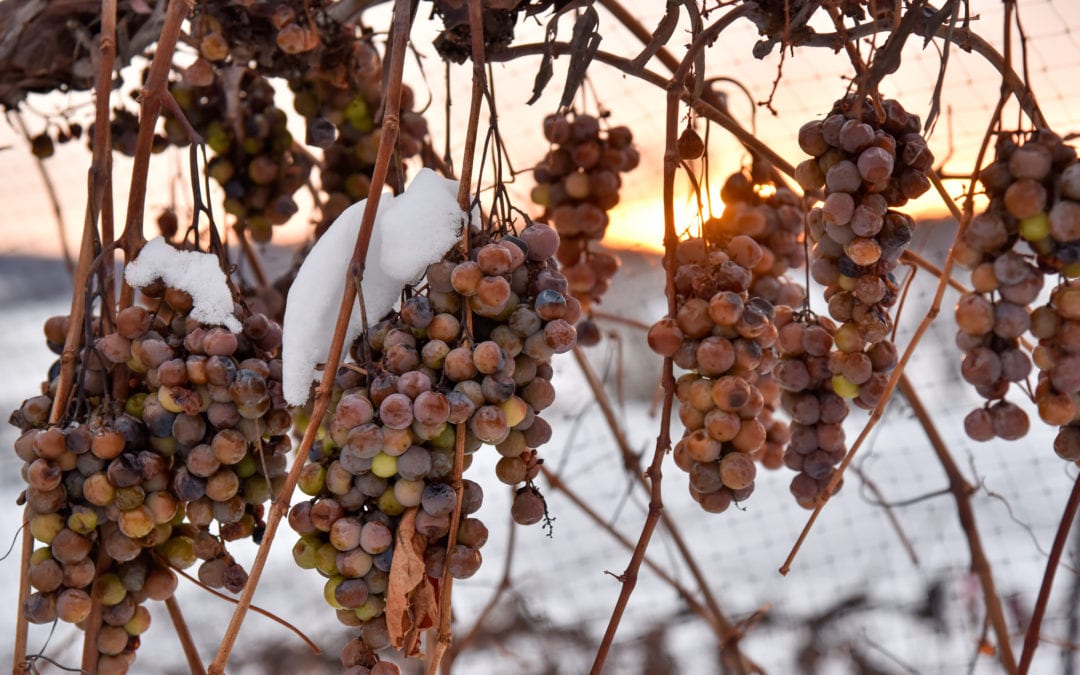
[577,184]
[176,426]
[286,38]
[341,111]
[773,216]
[254,160]
[868,164]
[1030,227]
[1058,391]
[43,145]
[808,374]
[454,42]
[725,339]
[467,356]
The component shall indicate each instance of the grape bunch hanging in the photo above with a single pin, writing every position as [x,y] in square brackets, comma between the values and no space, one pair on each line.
[1030,228]
[465,361]
[577,185]
[341,108]
[725,339]
[772,215]
[176,427]
[254,160]
[870,158]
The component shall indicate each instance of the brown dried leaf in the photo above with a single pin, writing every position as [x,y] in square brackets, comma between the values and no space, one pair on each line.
[410,598]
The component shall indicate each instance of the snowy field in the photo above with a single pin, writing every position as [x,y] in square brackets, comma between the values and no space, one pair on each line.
[855,602]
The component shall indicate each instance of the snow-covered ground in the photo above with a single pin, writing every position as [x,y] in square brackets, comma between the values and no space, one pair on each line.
[854,593]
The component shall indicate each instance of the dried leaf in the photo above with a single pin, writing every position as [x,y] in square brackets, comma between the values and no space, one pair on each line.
[950,9]
[543,76]
[410,597]
[583,46]
[425,612]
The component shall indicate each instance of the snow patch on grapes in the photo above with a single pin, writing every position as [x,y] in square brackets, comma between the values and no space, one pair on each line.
[196,273]
[411,231]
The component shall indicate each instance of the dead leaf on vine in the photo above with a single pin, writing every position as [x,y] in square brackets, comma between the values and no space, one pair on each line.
[410,598]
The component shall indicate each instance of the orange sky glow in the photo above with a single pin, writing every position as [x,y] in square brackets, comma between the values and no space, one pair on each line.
[811,80]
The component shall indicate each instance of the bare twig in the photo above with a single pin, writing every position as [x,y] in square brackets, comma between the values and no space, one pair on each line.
[387,141]
[961,491]
[97,181]
[154,89]
[615,318]
[642,33]
[191,652]
[252,256]
[922,263]
[893,520]
[675,89]
[1031,639]
[727,634]
[695,606]
[92,625]
[500,589]
[22,625]
[54,200]
[479,85]
[254,608]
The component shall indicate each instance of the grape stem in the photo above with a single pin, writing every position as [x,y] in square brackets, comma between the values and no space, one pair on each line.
[961,491]
[675,90]
[254,608]
[479,85]
[54,201]
[1031,638]
[92,625]
[20,664]
[505,583]
[729,637]
[98,181]
[388,137]
[153,95]
[191,652]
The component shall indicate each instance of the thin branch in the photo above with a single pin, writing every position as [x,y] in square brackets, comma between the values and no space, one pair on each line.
[280,504]
[675,89]
[254,608]
[252,256]
[479,85]
[191,652]
[922,263]
[154,89]
[54,200]
[21,624]
[962,491]
[1031,639]
[695,606]
[504,585]
[627,18]
[889,513]
[92,625]
[726,632]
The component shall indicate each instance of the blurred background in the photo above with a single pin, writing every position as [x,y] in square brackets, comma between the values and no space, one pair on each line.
[884,582]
